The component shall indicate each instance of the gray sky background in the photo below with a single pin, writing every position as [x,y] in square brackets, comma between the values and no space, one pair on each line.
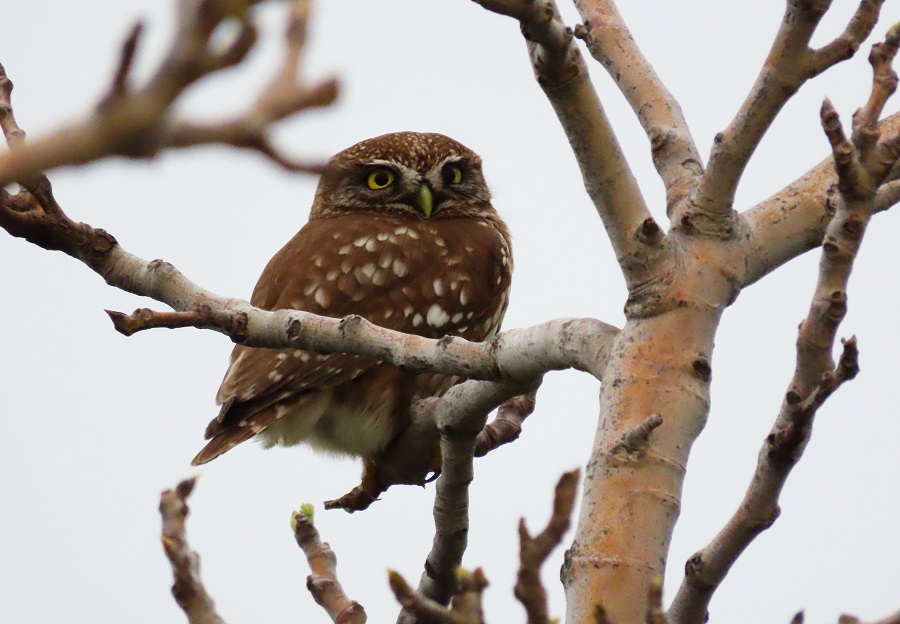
[95,425]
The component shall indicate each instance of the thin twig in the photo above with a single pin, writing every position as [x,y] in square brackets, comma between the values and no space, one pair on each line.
[188,589]
[533,551]
[323,583]
[507,425]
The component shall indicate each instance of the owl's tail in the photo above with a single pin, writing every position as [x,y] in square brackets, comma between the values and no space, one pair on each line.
[221,443]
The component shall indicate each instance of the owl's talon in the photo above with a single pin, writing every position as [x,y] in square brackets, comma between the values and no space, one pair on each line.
[357,499]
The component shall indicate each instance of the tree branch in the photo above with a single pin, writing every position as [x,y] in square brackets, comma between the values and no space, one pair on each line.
[188,589]
[285,96]
[674,152]
[507,425]
[323,583]
[861,165]
[562,74]
[136,122]
[789,65]
[533,551]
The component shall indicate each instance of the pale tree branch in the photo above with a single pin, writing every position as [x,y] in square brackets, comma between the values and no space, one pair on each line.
[522,355]
[789,65]
[674,152]
[136,122]
[816,377]
[533,551]
[561,72]
[323,583]
[188,589]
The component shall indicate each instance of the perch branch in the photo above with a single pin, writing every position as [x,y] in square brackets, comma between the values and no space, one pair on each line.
[562,73]
[37,218]
[815,377]
[789,65]
[533,551]
[609,41]
[136,122]
[188,589]
[323,583]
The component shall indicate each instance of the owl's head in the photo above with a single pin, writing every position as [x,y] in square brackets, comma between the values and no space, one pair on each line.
[415,175]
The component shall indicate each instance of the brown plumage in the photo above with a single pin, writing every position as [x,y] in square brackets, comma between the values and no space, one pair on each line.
[401,232]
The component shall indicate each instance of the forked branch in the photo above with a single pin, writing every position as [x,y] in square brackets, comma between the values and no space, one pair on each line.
[136,121]
[533,551]
[561,72]
[674,152]
[789,65]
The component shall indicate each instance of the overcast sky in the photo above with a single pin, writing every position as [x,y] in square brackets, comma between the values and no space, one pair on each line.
[95,424]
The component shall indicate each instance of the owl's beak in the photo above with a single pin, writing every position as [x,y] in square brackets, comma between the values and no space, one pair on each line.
[426,200]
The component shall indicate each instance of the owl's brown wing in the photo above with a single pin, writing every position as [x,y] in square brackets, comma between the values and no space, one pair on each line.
[412,277]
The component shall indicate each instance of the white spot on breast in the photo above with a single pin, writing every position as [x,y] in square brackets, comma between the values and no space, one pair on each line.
[417,320]
[400,268]
[400,231]
[281,357]
[385,261]
[457,317]
[436,316]
[407,311]
[439,241]
[332,274]
[379,278]
[388,313]
[346,265]
[362,240]
[309,288]
[343,251]
[371,245]
[463,297]
[322,298]
[368,269]
[383,236]
[413,234]
[319,261]
[470,315]
[438,287]
[275,376]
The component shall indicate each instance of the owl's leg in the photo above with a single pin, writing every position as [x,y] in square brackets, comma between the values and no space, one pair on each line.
[364,494]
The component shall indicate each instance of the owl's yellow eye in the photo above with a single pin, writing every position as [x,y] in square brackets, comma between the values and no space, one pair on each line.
[380,178]
[454,174]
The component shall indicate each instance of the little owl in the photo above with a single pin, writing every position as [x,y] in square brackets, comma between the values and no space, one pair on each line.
[402,232]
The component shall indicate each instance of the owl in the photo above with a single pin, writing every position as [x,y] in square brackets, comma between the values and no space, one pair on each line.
[401,232]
